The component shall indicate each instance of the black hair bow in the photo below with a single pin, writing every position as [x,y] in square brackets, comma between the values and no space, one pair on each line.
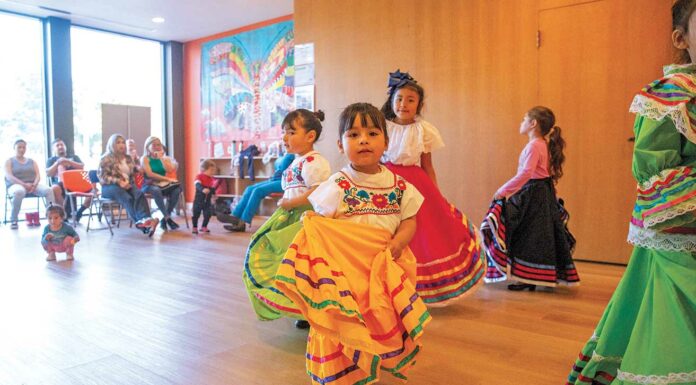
[398,79]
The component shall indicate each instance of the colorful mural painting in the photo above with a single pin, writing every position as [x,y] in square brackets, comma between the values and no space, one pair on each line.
[247,85]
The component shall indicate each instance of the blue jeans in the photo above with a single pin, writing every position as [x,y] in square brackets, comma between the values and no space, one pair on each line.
[133,200]
[248,206]
[172,195]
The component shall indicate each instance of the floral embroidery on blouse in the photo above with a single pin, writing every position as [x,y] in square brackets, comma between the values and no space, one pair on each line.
[362,200]
[292,176]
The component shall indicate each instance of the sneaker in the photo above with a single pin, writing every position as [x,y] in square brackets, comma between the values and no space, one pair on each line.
[172,225]
[153,226]
[205,230]
[163,224]
[238,228]
[142,224]
[69,257]
[194,230]
[301,324]
[14,226]
[51,256]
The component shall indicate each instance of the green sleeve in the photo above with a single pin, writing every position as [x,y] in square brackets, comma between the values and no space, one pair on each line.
[657,147]
[663,166]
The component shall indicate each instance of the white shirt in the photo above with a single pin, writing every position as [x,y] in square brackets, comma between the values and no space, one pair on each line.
[383,199]
[408,142]
[303,173]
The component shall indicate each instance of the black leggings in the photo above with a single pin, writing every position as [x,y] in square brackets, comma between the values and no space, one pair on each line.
[201,203]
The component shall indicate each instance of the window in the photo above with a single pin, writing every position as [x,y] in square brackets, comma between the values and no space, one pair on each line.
[21,88]
[113,69]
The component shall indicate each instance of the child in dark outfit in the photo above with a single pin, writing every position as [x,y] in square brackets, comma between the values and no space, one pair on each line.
[205,189]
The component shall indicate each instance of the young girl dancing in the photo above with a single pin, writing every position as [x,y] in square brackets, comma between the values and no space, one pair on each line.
[301,129]
[525,233]
[647,334]
[350,271]
[446,244]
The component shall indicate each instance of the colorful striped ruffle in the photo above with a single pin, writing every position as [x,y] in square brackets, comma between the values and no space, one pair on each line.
[673,96]
[666,196]
[364,312]
[590,369]
[446,244]
[493,234]
[266,250]
[448,278]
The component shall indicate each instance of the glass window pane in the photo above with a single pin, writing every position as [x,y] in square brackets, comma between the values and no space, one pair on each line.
[21,89]
[114,69]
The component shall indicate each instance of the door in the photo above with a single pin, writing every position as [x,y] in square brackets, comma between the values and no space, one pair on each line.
[582,80]
[133,122]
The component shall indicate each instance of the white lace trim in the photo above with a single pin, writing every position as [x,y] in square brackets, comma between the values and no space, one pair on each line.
[651,239]
[672,378]
[671,68]
[670,213]
[654,110]
[662,175]
[598,357]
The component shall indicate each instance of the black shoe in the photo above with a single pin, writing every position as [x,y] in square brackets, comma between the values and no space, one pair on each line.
[521,286]
[301,324]
[238,228]
[172,225]
[78,214]
[226,218]
[163,224]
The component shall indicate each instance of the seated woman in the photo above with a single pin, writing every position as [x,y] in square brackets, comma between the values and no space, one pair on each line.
[160,181]
[116,170]
[248,206]
[21,178]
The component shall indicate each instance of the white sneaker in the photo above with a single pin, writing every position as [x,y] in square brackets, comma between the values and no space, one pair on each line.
[51,256]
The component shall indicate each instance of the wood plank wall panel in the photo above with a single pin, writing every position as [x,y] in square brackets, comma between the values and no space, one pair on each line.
[478,62]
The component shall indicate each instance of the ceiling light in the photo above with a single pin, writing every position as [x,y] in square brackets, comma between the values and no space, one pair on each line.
[158,19]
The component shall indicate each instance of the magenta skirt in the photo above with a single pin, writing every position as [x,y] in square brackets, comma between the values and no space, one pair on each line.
[446,244]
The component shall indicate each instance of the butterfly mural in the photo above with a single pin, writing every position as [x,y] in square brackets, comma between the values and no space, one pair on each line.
[247,83]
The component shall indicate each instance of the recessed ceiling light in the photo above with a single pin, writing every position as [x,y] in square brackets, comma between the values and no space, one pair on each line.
[158,19]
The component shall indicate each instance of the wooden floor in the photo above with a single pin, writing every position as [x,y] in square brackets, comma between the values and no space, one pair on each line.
[172,310]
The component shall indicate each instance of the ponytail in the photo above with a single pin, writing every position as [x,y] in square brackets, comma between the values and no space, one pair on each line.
[556,156]
[547,127]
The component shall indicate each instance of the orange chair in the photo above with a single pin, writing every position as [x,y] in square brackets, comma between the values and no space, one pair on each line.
[76,184]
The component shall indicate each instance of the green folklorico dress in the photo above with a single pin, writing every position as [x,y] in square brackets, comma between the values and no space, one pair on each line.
[647,334]
[270,242]
[264,255]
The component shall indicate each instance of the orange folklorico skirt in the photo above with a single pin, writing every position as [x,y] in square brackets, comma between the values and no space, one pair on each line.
[364,312]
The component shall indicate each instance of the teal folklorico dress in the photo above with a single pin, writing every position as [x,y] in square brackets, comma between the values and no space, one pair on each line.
[647,334]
